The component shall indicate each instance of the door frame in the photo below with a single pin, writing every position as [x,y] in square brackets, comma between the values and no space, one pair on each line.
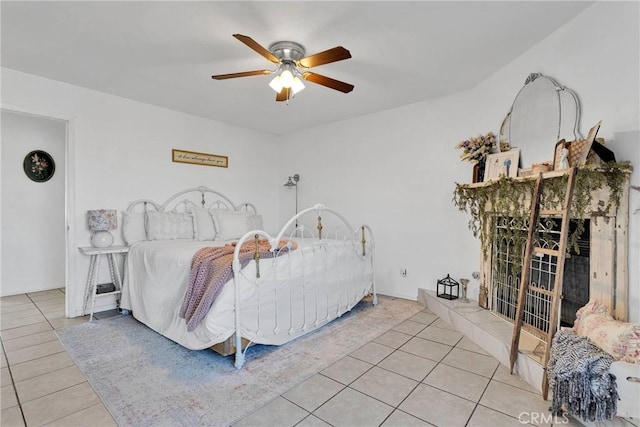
[71,288]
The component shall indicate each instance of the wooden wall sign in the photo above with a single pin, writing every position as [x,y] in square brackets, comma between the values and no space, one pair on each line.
[195,158]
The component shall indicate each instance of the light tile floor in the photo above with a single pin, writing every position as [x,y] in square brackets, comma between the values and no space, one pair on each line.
[41,384]
[420,373]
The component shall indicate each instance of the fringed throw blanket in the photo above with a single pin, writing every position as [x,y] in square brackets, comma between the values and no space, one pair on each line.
[211,268]
[579,378]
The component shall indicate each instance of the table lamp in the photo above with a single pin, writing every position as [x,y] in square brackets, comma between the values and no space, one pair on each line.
[100,222]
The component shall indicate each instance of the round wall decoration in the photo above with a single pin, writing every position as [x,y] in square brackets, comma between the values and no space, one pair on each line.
[39,166]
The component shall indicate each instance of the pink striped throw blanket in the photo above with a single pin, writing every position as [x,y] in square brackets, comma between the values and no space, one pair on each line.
[211,268]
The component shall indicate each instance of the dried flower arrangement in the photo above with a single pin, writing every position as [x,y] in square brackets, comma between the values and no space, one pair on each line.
[477,148]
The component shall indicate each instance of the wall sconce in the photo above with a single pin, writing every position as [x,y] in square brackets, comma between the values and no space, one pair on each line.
[293,182]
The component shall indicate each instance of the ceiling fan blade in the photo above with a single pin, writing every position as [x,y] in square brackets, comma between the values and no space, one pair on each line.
[257,47]
[243,74]
[327,81]
[332,55]
[284,94]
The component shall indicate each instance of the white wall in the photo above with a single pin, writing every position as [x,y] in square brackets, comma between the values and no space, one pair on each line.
[122,152]
[393,170]
[396,170]
[33,213]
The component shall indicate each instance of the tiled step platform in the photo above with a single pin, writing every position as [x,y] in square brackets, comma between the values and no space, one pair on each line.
[488,331]
[493,334]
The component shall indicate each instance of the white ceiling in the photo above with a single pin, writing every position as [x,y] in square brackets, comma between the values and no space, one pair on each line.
[164,53]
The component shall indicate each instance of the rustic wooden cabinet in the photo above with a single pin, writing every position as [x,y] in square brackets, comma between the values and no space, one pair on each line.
[608,247]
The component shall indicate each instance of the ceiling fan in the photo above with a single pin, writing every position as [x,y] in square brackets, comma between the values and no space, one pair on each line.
[293,67]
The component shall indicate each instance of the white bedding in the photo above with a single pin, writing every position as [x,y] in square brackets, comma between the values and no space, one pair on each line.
[157,276]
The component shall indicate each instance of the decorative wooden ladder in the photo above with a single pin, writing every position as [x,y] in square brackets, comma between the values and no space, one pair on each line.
[525,287]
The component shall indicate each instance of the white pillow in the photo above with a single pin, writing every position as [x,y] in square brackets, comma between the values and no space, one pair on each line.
[133,229]
[254,222]
[234,224]
[203,223]
[169,225]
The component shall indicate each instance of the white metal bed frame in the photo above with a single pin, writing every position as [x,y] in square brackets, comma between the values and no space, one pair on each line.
[173,203]
[350,301]
[360,239]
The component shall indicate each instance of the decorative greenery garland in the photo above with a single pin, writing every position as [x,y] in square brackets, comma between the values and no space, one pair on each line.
[506,198]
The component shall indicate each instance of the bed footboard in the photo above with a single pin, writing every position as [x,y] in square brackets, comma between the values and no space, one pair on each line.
[333,269]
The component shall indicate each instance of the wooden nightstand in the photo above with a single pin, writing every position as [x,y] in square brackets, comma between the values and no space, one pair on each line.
[91,291]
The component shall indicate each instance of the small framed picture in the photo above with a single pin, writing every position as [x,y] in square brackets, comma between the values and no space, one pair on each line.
[502,164]
[564,155]
[39,166]
[591,137]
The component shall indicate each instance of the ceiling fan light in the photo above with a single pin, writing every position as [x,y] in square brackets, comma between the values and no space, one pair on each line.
[276,84]
[297,85]
[286,77]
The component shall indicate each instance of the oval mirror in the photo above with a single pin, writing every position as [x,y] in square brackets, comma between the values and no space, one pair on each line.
[543,112]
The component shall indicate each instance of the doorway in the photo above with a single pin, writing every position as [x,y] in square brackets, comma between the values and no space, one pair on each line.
[33,217]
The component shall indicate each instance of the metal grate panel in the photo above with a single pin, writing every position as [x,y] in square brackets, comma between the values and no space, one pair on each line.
[507,256]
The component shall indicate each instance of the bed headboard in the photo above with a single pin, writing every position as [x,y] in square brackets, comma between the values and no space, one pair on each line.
[198,196]
[198,213]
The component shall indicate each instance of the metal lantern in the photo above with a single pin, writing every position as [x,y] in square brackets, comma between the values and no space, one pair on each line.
[447,287]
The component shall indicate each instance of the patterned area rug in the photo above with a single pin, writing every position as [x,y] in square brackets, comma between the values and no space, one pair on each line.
[145,379]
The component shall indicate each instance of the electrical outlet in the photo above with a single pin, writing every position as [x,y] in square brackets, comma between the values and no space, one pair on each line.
[403,272]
